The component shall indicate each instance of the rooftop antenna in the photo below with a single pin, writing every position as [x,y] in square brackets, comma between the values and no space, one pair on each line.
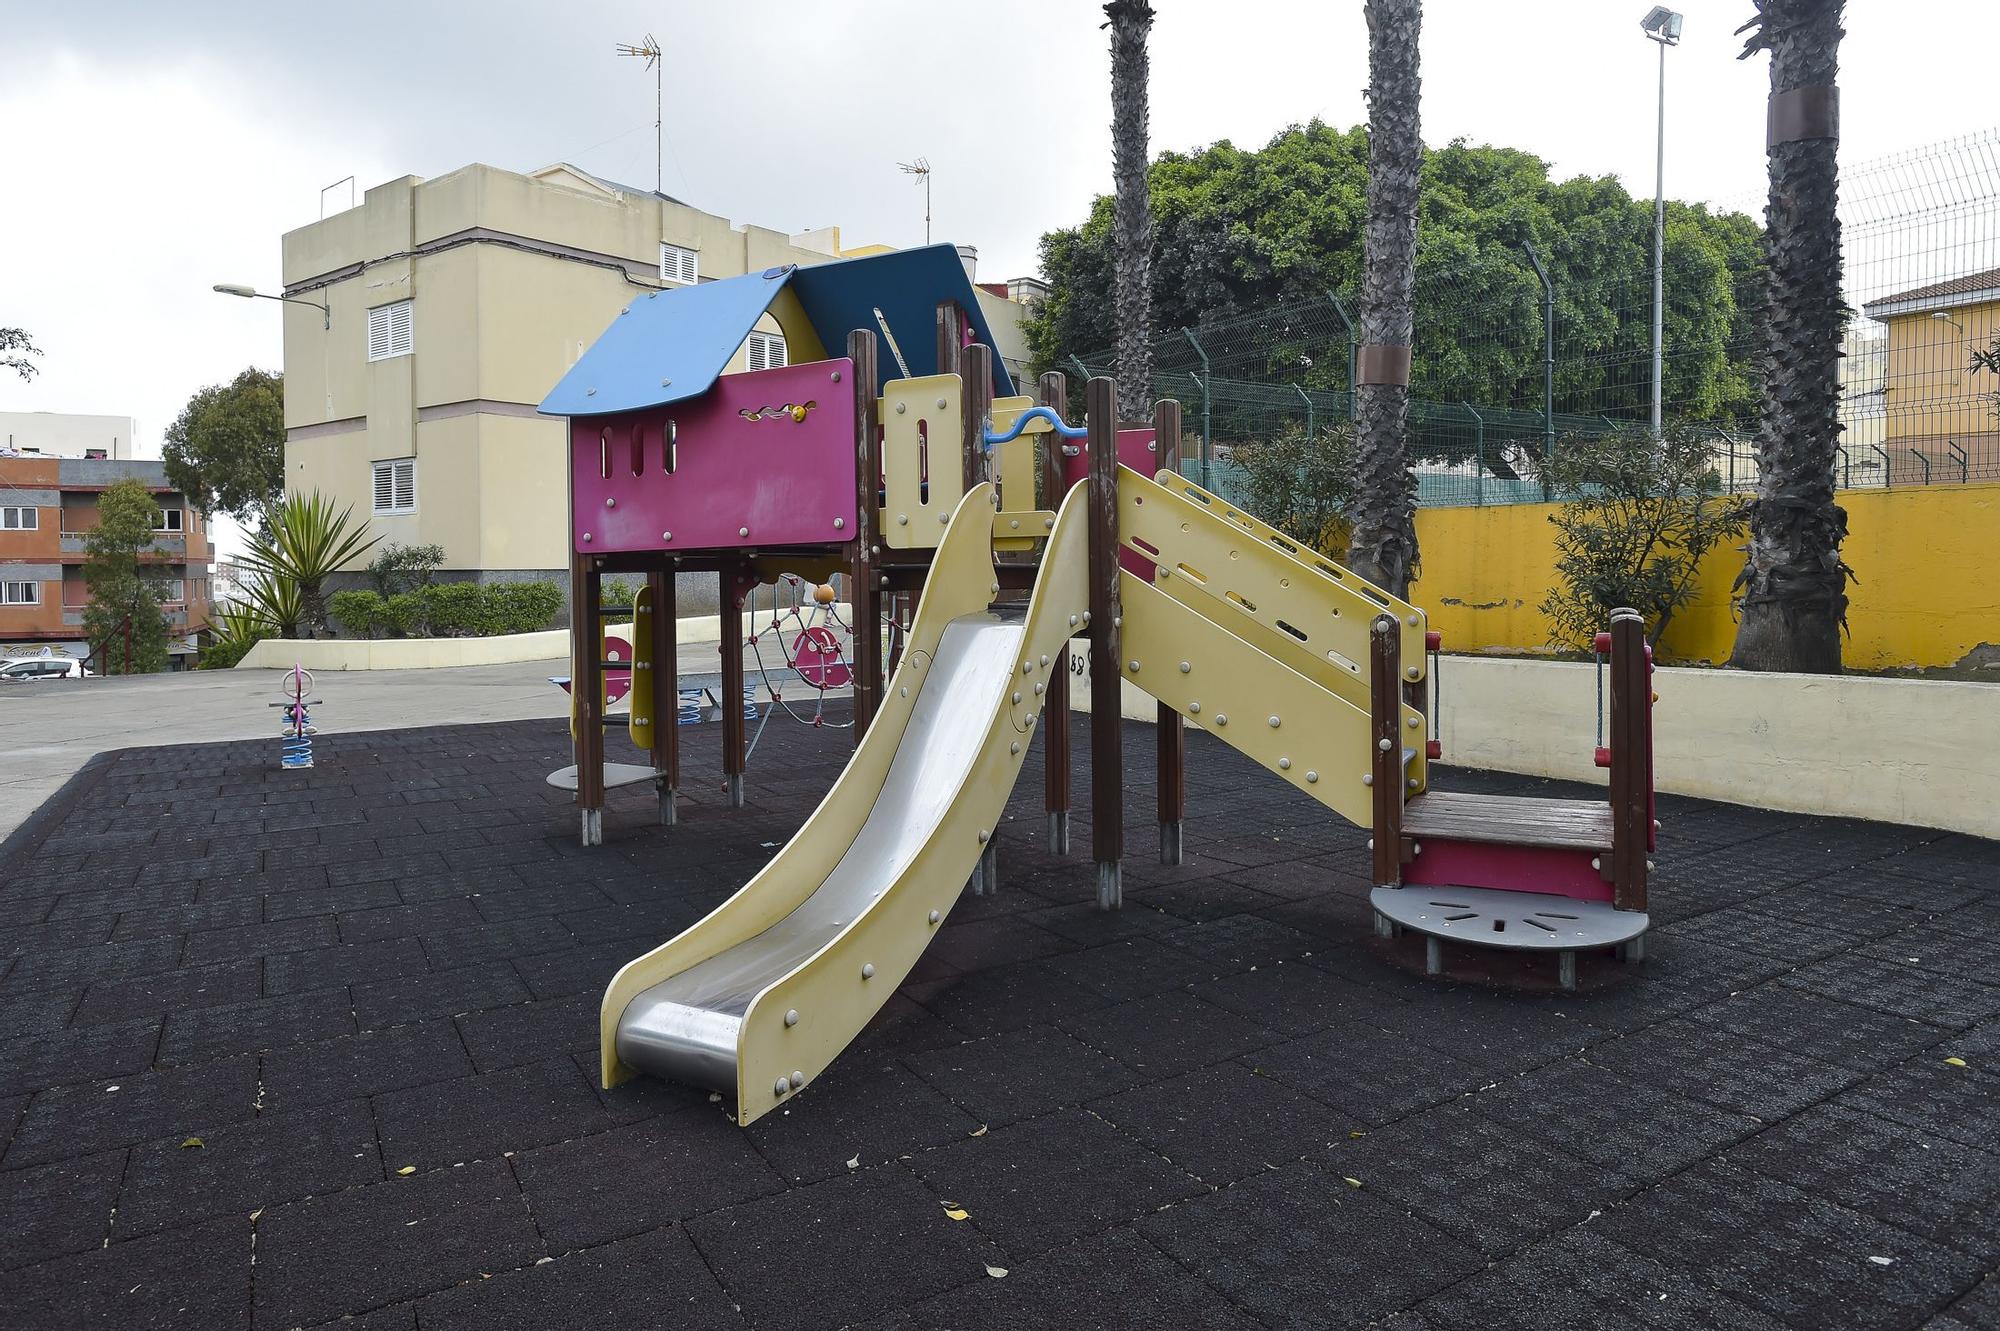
[650,52]
[921,168]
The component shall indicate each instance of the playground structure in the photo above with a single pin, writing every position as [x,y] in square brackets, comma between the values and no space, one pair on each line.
[922,478]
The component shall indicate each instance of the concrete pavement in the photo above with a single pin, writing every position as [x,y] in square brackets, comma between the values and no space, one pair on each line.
[48,730]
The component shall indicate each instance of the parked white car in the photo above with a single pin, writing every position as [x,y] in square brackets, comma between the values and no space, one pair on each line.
[21,669]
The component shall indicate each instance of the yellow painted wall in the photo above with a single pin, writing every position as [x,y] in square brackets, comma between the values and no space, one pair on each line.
[1924,595]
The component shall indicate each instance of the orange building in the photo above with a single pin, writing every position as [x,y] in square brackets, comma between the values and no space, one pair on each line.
[47,505]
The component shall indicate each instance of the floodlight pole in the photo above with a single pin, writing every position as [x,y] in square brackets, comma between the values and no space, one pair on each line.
[1659,235]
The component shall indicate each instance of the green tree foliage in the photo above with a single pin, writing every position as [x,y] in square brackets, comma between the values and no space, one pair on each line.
[306,542]
[16,347]
[1236,231]
[1637,517]
[226,450]
[402,568]
[122,595]
[232,631]
[1301,483]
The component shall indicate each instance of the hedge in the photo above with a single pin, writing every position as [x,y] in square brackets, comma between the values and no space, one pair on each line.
[449,610]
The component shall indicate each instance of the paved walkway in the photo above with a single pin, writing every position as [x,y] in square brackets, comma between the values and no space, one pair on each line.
[278,1049]
[53,728]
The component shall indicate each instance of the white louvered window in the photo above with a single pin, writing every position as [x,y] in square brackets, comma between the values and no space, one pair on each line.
[396,486]
[389,331]
[766,350]
[677,264]
[20,519]
[20,593]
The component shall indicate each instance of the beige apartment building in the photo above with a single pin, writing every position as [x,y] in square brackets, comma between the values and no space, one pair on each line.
[452,306]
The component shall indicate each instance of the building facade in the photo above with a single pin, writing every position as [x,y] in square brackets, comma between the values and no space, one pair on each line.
[453,306]
[1940,415]
[65,435]
[48,504]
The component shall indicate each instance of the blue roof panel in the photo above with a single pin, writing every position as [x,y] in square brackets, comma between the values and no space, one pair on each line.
[668,346]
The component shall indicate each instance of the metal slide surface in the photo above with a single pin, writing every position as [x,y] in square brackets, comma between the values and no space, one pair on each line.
[760,996]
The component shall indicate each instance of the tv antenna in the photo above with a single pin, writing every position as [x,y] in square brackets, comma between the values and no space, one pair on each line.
[649,51]
[921,168]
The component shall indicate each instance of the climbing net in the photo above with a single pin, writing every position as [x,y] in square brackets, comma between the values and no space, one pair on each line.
[810,637]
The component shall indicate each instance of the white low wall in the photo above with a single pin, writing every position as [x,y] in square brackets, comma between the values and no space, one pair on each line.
[1921,752]
[440,653]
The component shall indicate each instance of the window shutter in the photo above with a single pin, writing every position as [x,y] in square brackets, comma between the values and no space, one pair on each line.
[384,498]
[678,264]
[406,483]
[390,331]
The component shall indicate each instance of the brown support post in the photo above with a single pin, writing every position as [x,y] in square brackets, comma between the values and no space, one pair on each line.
[864,576]
[666,753]
[975,367]
[950,336]
[1385,775]
[586,682]
[1172,735]
[1631,759]
[1107,785]
[731,602]
[1055,716]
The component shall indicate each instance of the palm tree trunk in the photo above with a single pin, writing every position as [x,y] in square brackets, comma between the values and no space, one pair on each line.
[1793,584]
[1383,548]
[1132,215]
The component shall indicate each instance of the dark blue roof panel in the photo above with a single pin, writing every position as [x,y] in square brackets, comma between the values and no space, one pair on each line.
[668,346]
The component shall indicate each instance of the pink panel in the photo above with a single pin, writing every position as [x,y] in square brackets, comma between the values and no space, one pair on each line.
[770,451]
[1563,873]
[1135,450]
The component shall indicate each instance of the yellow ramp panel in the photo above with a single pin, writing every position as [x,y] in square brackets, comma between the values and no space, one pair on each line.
[923,475]
[1288,724]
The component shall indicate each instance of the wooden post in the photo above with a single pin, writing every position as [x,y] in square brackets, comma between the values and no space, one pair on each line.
[666,753]
[864,575]
[1054,392]
[1631,759]
[1107,784]
[586,682]
[731,603]
[1385,696]
[1172,736]
[975,365]
[950,336]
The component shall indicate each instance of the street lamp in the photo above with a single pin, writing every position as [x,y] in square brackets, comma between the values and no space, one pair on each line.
[1661,25]
[248,293]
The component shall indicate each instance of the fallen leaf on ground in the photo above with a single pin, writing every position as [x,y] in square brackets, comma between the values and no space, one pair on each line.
[979,1131]
[1955,1062]
[406,1169]
[1350,1182]
[958,1213]
[854,1163]
[1882,1261]
[191,1143]
[996,1271]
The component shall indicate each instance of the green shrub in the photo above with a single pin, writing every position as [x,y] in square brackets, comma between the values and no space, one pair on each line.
[523,607]
[619,593]
[358,613]
[454,609]
[403,615]
[1300,483]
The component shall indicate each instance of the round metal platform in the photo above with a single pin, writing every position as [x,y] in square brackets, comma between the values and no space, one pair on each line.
[1530,921]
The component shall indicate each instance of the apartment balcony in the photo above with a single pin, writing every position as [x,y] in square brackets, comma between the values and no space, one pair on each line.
[174,612]
[168,545]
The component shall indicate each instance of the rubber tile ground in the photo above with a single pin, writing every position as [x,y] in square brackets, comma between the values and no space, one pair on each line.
[317,1049]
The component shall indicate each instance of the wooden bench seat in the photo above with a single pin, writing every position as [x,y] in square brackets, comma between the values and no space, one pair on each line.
[1508,820]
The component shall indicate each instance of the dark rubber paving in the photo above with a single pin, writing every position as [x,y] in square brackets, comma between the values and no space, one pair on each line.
[318,1050]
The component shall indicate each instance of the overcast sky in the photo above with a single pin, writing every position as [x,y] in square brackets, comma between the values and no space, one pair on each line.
[151,150]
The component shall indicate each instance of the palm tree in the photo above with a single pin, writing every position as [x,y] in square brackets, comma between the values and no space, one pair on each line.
[302,545]
[1132,214]
[1793,584]
[1383,548]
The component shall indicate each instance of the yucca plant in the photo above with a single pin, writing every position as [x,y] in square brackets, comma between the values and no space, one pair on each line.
[274,603]
[233,630]
[305,542]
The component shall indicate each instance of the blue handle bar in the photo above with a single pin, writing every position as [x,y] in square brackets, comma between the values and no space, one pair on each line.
[1034,414]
